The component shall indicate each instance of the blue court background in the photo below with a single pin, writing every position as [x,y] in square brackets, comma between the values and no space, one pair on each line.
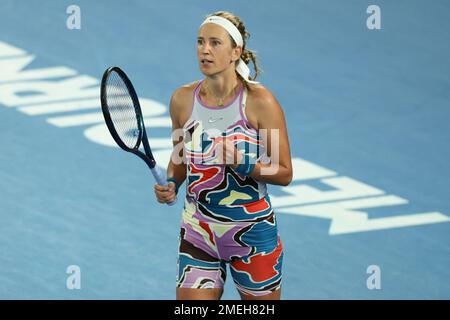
[373,105]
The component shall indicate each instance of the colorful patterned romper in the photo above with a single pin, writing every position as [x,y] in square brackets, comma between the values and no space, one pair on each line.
[227,218]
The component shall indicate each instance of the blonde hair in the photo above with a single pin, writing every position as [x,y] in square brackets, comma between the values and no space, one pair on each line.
[247,54]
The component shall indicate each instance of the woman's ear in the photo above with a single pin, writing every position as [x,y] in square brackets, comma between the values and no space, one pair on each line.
[236,54]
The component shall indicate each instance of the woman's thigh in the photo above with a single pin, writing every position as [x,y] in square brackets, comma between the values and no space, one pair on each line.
[199,294]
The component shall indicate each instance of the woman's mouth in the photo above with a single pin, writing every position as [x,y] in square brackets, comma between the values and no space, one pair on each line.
[206,62]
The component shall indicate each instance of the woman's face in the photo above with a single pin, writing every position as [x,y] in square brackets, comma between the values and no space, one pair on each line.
[214,49]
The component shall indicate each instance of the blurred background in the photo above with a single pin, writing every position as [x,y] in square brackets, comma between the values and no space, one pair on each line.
[367,110]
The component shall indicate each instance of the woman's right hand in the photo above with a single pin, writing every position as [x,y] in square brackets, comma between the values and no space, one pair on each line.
[165,194]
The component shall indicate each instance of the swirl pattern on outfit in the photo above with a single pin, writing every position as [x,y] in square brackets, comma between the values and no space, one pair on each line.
[227,217]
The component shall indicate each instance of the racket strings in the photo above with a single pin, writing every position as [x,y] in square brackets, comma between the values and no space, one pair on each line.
[122,110]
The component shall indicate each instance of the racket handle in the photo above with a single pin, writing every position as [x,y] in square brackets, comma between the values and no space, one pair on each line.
[160,176]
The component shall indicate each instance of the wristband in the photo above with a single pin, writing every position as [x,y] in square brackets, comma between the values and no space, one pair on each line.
[174,181]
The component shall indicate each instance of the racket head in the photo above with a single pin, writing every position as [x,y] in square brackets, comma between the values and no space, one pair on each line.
[121,109]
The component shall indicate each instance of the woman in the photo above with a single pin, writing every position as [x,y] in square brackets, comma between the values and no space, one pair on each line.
[227,216]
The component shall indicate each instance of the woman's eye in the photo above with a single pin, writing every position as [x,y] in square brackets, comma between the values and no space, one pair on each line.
[199,42]
[215,43]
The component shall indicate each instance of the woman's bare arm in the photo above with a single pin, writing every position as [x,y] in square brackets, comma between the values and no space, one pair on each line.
[270,118]
[177,168]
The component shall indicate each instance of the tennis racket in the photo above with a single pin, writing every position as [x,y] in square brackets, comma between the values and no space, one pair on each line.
[123,117]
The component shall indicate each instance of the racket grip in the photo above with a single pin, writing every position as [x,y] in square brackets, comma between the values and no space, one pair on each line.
[160,176]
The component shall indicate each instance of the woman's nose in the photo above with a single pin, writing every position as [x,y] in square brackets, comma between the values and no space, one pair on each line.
[205,48]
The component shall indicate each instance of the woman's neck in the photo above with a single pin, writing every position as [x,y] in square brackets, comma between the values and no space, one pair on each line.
[221,86]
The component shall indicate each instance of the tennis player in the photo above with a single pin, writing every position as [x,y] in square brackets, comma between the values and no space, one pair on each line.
[227,217]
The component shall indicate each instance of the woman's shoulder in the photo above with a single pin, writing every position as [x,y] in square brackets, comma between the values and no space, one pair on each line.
[183,94]
[260,97]
[180,103]
[185,89]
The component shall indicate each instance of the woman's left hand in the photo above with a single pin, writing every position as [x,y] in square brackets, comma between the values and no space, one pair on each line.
[228,154]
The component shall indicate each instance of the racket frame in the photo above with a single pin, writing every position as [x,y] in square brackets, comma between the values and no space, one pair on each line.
[142,137]
[158,172]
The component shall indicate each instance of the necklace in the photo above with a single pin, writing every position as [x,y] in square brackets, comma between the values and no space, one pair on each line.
[220,100]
